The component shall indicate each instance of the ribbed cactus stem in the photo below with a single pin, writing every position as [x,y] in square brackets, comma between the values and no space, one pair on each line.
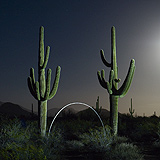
[114,113]
[41,89]
[112,85]
[43,117]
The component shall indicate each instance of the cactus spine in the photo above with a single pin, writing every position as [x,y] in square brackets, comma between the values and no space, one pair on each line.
[131,110]
[112,84]
[98,108]
[40,89]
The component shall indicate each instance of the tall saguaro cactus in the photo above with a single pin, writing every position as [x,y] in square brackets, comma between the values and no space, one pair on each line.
[131,110]
[112,85]
[41,89]
[98,107]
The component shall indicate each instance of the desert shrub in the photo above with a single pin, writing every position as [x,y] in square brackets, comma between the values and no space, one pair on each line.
[144,132]
[158,130]
[12,132]
[96,141]
[14,152]
[139,129]
[156,144]
[17,142]
[124,151]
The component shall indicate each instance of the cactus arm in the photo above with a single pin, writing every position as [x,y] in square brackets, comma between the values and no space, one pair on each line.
[109,84]
[103,77]
[41,47]
[31,83]
[125,87]
[48,81]
[34,88]
[105,84]
[46,57]
[32,75]
[104,59]
[111,75]
[100,80]
[31,87]
[56,82]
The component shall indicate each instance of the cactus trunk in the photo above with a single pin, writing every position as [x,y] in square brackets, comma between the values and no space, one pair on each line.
[114,113]
[43,117]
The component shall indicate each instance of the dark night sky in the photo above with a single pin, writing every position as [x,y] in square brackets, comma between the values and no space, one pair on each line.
[76,30]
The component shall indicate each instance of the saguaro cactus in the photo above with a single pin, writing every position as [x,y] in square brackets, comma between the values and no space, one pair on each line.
[112,84]
[41,89]
[131,110]
[98,108]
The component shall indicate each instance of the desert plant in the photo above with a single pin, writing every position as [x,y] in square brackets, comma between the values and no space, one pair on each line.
[40,89]
[131,110]
[17,142]
[96,141]
[154,113]
[98,107]
[125,151]
[112,84]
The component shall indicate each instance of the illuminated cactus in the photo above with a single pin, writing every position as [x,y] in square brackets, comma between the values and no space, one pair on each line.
[131,110]
[112,84]
[98,108]
[40,89]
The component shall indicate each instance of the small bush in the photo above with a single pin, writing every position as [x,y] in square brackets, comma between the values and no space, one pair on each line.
[124,151]
[96,141]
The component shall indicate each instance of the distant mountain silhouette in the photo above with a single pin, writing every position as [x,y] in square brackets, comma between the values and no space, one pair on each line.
[90,113]
[12,110]
[52,112]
